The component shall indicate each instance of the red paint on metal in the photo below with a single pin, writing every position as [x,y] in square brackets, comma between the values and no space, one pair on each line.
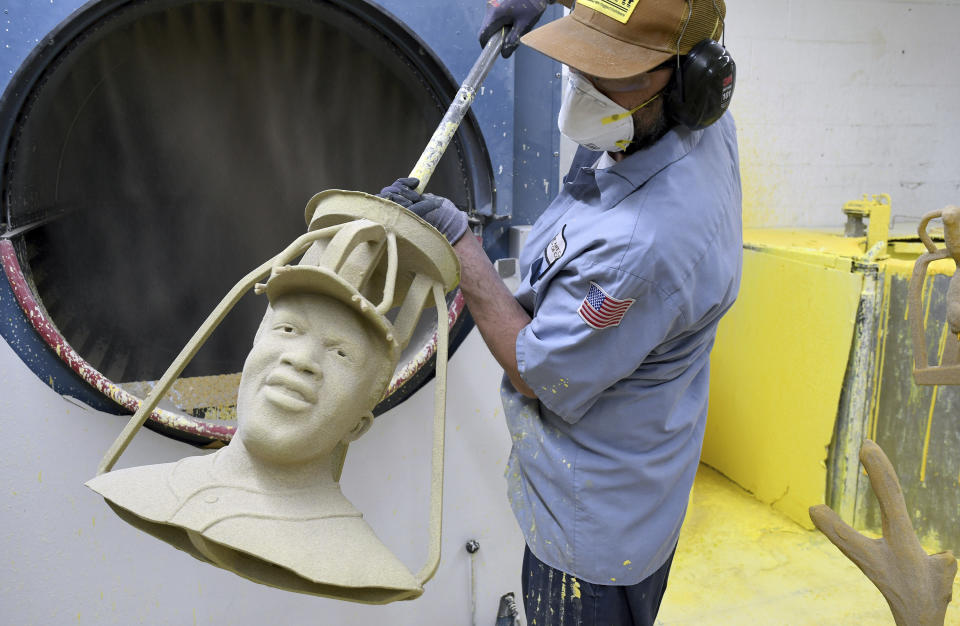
[420,360]
[49,333]
[182,422]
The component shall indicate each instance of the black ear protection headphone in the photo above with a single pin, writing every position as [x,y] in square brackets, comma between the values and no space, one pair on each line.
[702,84]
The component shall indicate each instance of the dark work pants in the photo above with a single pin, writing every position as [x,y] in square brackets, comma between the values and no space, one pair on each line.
[554,598]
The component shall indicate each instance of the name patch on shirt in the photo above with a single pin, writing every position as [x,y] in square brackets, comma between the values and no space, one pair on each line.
[551,254]
[556,248]
[600,310]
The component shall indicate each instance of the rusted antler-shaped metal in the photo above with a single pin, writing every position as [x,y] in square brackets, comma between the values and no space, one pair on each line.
[947,372]
[917,586]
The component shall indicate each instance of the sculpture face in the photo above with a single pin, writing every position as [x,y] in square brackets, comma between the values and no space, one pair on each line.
[307,384]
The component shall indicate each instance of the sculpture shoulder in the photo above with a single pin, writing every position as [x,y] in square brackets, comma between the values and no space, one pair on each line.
[340,550]
[153,492]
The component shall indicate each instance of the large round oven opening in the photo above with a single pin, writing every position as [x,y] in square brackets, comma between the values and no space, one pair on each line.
[170,147]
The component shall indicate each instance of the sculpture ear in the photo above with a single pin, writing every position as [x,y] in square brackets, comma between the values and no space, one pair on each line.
[363,425]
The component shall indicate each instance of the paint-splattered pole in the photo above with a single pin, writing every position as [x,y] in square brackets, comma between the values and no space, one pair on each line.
[444,133]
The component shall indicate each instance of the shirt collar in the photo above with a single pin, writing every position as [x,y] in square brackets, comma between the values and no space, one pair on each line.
[632,172]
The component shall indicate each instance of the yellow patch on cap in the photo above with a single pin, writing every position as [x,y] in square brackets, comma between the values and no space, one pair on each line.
[620,10]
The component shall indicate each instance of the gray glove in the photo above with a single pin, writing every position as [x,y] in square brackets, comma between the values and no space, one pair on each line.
[437,211]
[518,15]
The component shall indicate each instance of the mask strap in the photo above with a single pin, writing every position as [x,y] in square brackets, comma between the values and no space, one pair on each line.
[619,116]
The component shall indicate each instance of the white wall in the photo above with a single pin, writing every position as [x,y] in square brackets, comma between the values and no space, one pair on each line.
[837,98]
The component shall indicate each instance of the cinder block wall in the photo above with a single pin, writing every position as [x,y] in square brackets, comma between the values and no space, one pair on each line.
[836,98]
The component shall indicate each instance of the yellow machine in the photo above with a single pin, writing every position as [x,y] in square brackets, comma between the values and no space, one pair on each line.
[816,356]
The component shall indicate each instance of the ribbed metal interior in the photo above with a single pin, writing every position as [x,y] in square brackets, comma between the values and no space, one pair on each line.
[172,149]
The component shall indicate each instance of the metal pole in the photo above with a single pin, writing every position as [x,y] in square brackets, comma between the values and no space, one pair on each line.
[444,133]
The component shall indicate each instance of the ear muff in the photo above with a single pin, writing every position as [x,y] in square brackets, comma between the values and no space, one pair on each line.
[702,86]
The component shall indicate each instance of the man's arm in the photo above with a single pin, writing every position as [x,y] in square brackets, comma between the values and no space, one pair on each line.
[496,312]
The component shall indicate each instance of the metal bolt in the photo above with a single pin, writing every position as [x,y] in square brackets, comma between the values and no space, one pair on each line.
[472,546]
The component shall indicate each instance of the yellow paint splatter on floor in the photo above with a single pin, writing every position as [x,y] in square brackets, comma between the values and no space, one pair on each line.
[741,562]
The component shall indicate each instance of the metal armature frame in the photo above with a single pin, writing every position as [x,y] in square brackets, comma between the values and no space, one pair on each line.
[295,249]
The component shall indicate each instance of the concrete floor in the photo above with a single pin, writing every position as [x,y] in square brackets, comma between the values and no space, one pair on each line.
[741,562]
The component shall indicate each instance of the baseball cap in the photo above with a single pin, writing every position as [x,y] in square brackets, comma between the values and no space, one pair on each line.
[322,281]
[373,255]
[621,38]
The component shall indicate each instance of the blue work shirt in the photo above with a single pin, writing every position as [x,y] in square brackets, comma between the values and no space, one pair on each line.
[625,275]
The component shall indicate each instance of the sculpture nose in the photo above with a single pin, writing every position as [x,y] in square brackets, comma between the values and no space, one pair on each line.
[302,362]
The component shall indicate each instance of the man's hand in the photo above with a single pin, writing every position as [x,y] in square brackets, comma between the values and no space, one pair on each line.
[517,15]
[917,586]
[435,210]
[496,312]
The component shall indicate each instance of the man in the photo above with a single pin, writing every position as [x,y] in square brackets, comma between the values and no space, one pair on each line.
[605,346]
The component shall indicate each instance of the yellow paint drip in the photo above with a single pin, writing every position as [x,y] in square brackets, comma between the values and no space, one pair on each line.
[881,355]
[933,402]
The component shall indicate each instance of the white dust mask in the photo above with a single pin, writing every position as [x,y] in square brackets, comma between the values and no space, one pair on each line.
[592,119]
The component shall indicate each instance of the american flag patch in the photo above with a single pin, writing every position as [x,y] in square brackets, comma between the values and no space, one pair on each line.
[600,310]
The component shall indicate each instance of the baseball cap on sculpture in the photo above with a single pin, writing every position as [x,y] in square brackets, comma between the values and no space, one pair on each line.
[621,38]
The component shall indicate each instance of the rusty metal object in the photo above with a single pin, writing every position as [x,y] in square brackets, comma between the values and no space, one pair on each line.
[947,372]
[917,586]
[211,430]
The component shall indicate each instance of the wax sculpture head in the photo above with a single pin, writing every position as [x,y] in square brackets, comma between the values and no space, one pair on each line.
[268,506]
[311,380]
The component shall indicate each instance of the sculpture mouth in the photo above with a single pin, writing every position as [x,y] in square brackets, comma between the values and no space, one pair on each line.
[289,392]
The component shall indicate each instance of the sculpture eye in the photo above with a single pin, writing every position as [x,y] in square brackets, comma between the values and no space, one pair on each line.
[286,329]
[341,352]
